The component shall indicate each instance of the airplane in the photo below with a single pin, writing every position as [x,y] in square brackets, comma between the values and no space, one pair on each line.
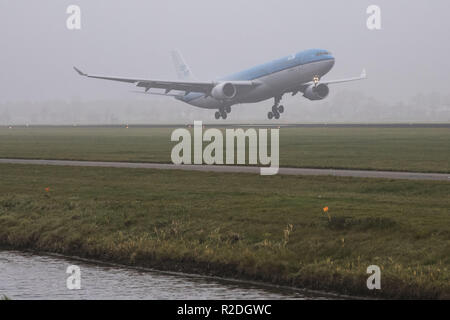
[299,72]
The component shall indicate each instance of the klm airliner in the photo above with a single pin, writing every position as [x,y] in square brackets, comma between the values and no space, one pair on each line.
[299,72]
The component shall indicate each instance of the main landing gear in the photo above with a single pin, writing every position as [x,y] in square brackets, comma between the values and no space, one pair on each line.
[276,109]
[222,113]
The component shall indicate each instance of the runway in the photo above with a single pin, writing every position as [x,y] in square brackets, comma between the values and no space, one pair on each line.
[236,169]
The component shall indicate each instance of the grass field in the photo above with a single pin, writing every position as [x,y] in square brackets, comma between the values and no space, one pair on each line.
[402,149]
[246,226]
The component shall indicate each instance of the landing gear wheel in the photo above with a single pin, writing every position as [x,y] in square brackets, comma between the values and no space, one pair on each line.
[276,115]
[228,109]
[223,114]
[270,115]
[274,109]
[281,109]
[217,115]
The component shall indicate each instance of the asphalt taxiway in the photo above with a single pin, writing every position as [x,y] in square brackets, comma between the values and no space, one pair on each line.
[241,169]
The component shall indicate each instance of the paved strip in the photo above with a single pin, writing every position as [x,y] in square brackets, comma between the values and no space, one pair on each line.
[243,169]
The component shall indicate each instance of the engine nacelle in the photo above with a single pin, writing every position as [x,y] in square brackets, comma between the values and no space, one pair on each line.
[224,91]
[318,92]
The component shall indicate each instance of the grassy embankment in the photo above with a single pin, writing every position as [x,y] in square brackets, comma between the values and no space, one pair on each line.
[403,149]
[245,226]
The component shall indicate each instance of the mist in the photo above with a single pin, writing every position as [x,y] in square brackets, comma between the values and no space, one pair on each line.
[406,61]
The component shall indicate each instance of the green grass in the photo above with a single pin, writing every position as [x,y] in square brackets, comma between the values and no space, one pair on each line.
[245,226]
[403,149]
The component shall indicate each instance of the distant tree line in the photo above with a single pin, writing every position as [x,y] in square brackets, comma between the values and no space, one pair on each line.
[344,106]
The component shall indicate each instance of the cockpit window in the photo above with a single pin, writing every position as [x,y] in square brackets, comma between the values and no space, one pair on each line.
[323,53]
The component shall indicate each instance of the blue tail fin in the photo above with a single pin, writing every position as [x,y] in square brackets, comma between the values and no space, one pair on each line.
[182,69]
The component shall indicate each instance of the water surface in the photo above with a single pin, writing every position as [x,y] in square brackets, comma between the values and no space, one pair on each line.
[29,276]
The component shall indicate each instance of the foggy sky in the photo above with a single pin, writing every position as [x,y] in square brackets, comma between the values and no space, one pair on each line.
[134,38]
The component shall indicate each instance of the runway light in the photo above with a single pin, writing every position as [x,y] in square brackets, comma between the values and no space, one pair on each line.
[325,209]
[47,189]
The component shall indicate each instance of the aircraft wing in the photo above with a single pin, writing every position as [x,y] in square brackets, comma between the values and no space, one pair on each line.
[186,86]
[361,77]
[303,87]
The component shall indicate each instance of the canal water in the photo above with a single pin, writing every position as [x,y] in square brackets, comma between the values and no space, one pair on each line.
[29,276]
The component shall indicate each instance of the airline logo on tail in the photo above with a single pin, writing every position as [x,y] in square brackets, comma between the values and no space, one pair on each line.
[182,69]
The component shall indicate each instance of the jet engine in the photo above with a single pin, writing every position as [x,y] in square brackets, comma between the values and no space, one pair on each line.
[318,92]
[224,91]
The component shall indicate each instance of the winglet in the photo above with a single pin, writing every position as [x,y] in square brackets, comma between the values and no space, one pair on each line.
[79,71]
